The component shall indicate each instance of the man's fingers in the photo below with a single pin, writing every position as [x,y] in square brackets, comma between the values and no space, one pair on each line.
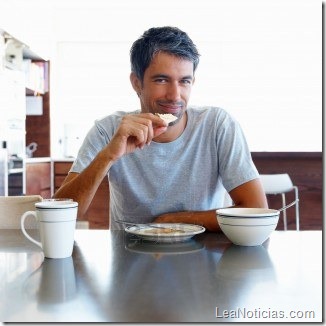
[155,128]
[158,131]
[145,127]
[138,130]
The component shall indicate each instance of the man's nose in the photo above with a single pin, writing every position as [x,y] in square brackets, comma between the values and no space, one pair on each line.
[174,92]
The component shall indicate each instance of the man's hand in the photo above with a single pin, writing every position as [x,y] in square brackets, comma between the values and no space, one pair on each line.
[135,131]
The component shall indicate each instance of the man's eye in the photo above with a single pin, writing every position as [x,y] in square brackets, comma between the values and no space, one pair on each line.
[186,81]
[160,80]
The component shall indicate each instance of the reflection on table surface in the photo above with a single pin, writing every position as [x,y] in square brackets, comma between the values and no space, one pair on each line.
[115,277]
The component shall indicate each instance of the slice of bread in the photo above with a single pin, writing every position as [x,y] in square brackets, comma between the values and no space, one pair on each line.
[167,117]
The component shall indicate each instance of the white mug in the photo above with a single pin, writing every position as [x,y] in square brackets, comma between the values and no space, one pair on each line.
[57,223]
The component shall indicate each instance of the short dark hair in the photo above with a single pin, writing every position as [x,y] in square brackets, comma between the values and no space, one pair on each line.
[166,39]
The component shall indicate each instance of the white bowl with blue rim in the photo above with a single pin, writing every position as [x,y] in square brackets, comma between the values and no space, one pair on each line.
[247,226]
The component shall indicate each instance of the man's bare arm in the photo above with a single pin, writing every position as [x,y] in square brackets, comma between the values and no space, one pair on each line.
[249,194]
[135,131]
[81,187]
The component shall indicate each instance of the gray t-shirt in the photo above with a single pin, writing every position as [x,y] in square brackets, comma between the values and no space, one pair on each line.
[187,174]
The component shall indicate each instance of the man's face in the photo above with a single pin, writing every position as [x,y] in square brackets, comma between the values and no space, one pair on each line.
[167,85]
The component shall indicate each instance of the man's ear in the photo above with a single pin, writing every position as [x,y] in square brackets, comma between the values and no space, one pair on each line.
[135,82]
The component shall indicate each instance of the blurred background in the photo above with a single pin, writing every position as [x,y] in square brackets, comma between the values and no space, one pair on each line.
[260,60]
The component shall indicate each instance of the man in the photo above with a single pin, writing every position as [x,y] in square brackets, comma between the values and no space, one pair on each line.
[164,172]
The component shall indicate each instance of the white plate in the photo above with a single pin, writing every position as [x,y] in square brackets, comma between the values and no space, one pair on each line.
[247,212]
[179,231]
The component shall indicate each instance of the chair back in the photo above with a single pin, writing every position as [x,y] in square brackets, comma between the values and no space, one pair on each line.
[276,183]
[13,207]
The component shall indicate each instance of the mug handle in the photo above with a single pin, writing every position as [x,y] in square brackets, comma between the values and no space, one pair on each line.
[22,224]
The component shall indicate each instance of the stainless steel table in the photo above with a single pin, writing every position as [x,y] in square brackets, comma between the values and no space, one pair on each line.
[114,277]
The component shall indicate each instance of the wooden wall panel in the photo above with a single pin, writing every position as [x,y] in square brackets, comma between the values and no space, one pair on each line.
[305,170]
[38,129]
[38,179]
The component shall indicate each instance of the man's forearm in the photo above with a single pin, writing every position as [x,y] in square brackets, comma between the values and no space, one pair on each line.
[82,187]
[205,218]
